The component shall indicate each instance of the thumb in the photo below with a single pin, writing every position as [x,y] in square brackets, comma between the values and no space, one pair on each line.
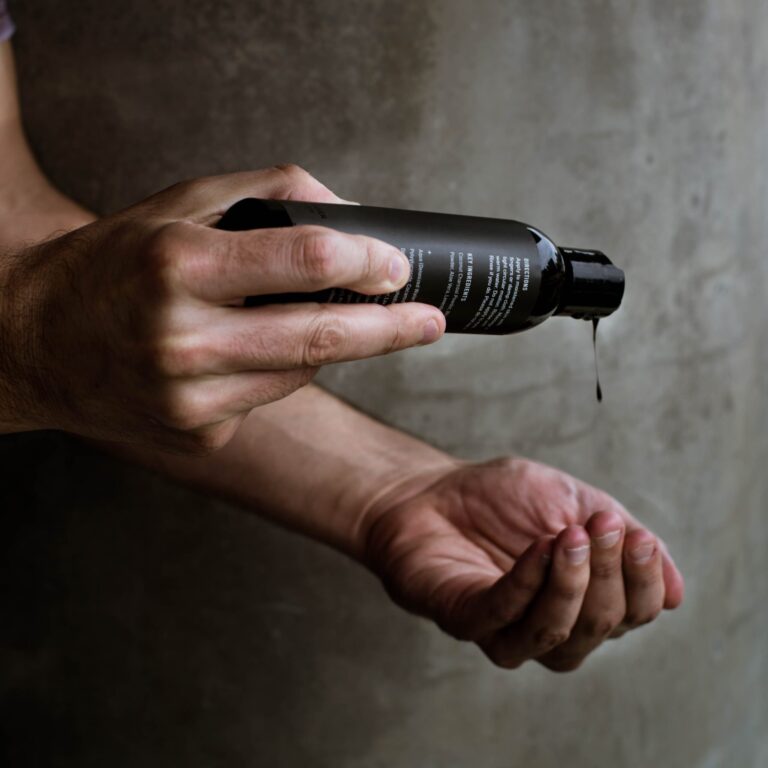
[204,200]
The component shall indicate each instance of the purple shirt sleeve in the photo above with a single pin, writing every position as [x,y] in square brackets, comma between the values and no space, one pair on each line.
[6,25]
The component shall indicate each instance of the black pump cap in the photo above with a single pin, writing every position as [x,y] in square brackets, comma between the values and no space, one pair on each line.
[594,286]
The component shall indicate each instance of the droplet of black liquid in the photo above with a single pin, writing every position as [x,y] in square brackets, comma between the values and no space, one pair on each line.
[598,388]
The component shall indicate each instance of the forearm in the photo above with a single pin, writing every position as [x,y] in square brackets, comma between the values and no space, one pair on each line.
[311,463]
[31,208]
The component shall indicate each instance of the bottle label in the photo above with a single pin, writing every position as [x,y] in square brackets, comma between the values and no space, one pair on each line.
[483,274]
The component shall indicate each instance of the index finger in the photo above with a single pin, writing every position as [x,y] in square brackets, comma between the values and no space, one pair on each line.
[552,615]
[495,606]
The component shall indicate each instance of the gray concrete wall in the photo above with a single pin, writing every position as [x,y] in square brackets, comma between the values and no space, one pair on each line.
[145,626]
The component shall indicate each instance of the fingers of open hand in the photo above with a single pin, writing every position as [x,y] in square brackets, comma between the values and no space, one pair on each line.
[643,580]
[674,586]
[551,617]
[604,603]
[227,266]
[300,336]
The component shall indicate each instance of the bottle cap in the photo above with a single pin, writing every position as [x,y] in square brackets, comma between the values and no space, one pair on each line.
[593,286]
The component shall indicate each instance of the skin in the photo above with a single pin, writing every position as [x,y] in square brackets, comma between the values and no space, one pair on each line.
[129,331]
[146,339]
[523,560]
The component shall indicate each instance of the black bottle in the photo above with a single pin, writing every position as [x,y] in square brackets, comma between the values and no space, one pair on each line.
[486,275]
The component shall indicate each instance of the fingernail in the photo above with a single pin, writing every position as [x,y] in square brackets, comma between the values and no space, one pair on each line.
[397,269]
[643,553]
[577,555]
[431,332]
[608,540]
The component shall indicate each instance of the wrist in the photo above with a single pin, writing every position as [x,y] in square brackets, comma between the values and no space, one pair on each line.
[20,405]
[391,490]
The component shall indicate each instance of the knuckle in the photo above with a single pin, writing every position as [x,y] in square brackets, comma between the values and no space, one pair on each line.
[512,465]
[317,255]
[604,570]
[292,171]
[204,442]
[504,659]
[281,387]
[189,186]
[325,343]
[498,612]
[288,179]
[547,638]
[645,583]
[376,264]
[635,619]
[599,627]
[305,376]
[563,663]
[299,379]
[176,191]
[164,253]
[183,420]
[397,339]
[183,412]
[526,585]
[568,488]
[566,592]
[524,469]
[187,192]
[169,357]
[517,473]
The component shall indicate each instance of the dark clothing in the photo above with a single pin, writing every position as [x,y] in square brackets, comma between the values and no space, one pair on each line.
[6,25]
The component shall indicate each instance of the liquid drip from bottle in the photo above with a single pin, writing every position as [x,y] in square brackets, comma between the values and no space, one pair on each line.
[598,388]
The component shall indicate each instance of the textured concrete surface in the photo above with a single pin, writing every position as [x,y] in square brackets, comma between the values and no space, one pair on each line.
[145,626]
